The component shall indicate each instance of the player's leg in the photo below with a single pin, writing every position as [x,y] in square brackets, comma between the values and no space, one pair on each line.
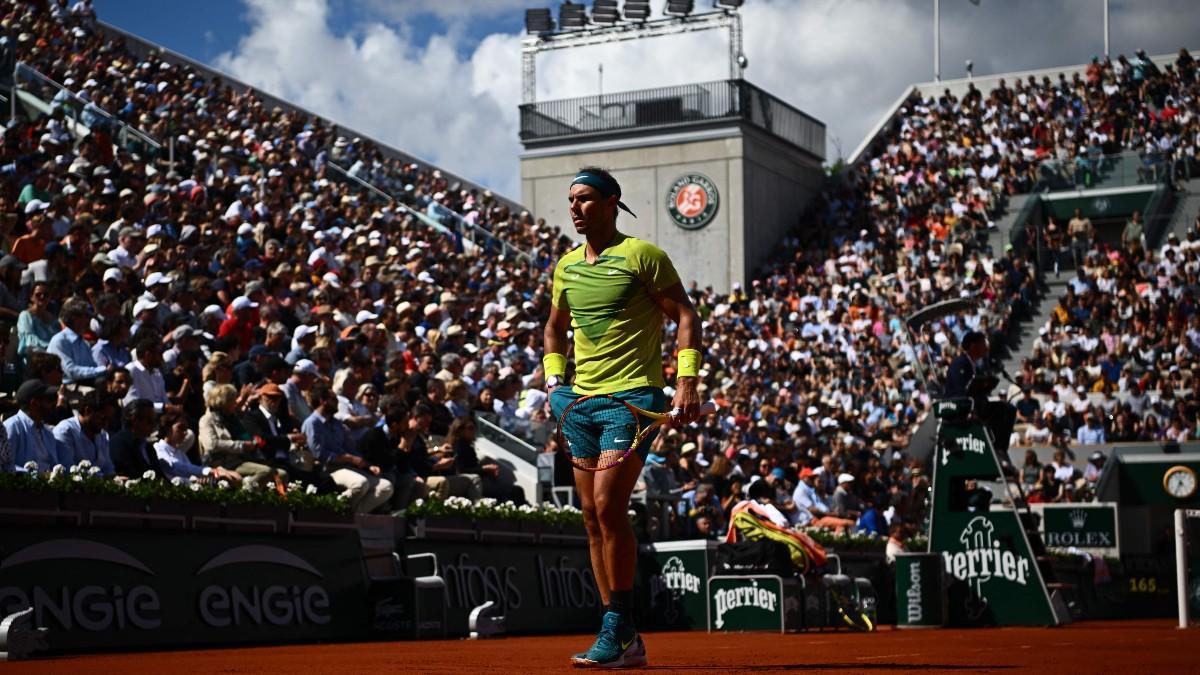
[585,488]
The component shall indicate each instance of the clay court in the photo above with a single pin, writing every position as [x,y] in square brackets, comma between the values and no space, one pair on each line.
[1114,646]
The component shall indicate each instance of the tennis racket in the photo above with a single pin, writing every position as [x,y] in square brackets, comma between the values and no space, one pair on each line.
[602,420]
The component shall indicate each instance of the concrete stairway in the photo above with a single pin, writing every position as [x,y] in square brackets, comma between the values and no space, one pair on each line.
[1186,210]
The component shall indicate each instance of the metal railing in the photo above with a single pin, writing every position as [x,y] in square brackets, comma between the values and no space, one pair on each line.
[493,429]
[478,236]
[664,107]
[1094,170]
[81,111]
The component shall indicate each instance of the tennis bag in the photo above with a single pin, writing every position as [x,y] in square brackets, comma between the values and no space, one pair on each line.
[753,524]
[754,557]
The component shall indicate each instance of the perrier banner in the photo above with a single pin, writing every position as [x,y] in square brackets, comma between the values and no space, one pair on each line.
[992,573]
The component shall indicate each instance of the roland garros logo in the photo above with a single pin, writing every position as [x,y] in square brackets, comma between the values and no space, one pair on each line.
[692,201]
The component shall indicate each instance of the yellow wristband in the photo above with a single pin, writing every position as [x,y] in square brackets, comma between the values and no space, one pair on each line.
[689,362]
[554,364]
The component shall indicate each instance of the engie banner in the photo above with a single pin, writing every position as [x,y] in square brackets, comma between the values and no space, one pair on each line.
[101,589]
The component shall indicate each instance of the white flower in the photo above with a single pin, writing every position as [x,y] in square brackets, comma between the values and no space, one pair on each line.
[223,484]
[76,468]
[176,481]
[488,502]
[194,480]
[527,508]
[194,487]
[93,471]
[130,483]
[31,466]
[77,477]
[343,497]
[57,470]
[247,485]
[149,475]
[419,502]
[632,513]
[310,490]
[295,486]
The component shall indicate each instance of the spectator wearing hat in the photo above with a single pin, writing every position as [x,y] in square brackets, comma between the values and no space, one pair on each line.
[249,372]
[29,439]
[281,434]
[32,246]
[84,435]
[225,441]
[78,364]
[304,374]
[330,441]
[241,323]
[36,325]
[129,244]
[1095,465]
[303,340]
[184,339]
[131,452]
[146,376]
[812,510]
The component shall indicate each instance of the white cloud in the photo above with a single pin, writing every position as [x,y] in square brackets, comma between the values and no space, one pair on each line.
[454,101]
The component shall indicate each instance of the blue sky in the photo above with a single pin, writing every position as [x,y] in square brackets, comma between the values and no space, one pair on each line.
[440,79]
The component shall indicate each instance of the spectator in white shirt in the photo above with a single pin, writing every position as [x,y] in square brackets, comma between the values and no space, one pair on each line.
[147,379]
[176,440]
[130,242]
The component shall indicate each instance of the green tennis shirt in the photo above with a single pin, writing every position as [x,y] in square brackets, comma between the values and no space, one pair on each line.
[617,324]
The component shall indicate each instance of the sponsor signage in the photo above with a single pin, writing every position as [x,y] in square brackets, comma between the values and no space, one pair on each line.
[742,603]
[676,576]
[920,599]
[992,575]
[692,201]
[540,588]
[1088,527]
[97,588]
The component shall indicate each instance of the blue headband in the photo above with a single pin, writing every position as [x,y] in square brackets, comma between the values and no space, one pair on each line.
[606,186]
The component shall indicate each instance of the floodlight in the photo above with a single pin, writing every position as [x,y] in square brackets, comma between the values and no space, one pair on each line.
[572,15]
[538,21]
[605,11]
[637,10]
[729,4]
[679,7]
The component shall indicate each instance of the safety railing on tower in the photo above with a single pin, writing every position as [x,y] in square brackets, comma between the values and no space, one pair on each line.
[663,108]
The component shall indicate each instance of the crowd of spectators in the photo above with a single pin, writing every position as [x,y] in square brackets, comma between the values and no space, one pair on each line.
[240,314]
[246,314]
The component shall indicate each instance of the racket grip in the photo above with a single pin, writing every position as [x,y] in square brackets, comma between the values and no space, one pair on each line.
[707,408]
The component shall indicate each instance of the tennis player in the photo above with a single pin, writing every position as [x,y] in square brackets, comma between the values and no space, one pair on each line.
[613,292]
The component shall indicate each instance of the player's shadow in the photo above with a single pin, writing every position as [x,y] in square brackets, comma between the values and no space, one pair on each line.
[856,666]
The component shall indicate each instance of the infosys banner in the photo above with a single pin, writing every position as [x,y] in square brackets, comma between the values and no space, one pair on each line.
[539,588]
[102,589]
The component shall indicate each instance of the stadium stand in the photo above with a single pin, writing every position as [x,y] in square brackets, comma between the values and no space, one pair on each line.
[152,207]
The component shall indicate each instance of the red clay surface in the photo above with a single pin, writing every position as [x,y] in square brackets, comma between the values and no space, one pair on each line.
[1113,647]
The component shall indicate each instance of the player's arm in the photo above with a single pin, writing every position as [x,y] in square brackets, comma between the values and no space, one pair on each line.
[555,343]
[677,306]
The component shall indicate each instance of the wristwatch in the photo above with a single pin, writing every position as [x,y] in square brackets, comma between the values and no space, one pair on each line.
[552,381]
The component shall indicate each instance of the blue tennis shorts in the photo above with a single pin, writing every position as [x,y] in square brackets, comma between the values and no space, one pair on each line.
[614,424]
